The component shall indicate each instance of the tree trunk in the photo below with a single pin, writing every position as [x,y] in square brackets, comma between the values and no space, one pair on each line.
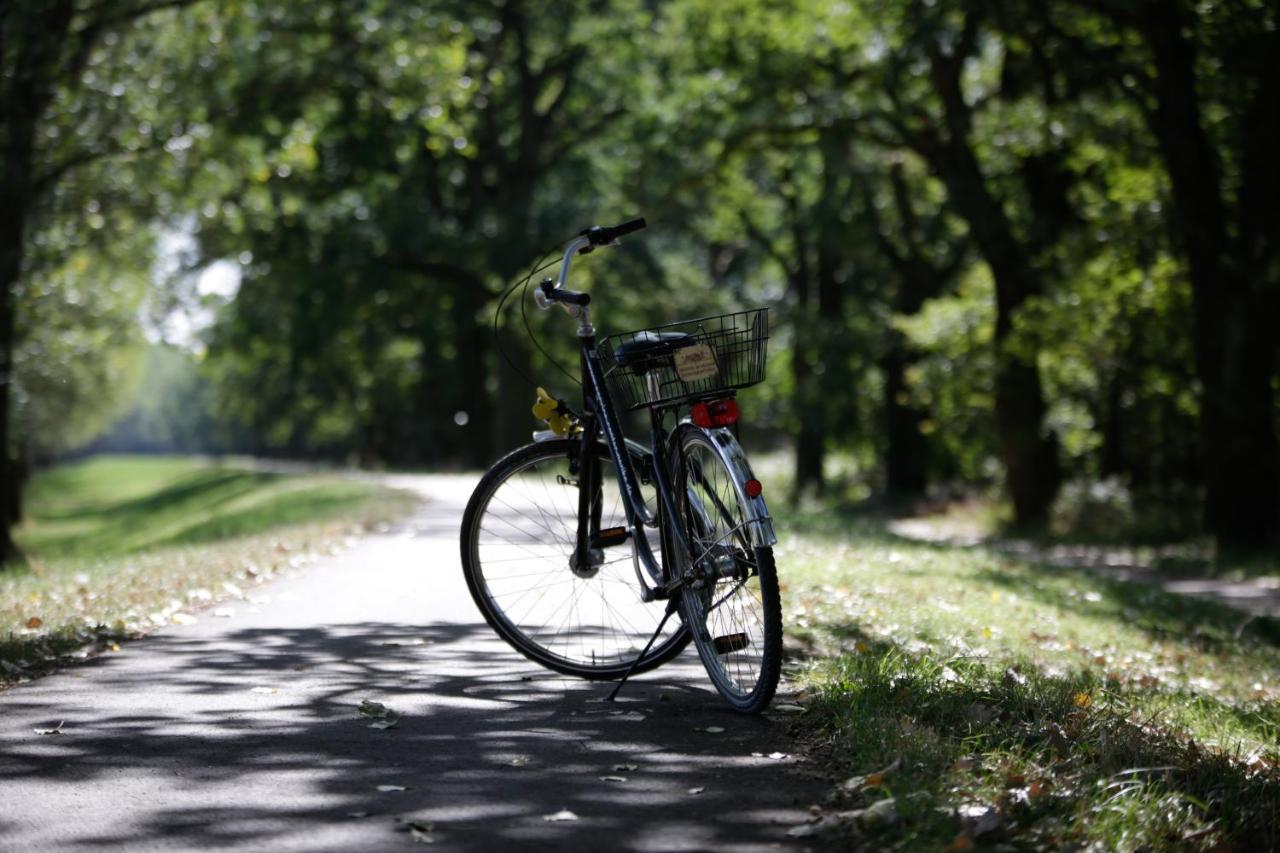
[918,280]
[1234,324]
[1029,453]
[10,481]
[810,432]
[13,199]
[906,454]
[1236,359]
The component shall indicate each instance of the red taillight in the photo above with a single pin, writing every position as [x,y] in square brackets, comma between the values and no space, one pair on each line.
[716,413]
[753,488]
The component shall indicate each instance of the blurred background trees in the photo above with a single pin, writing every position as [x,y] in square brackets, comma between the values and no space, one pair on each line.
[1009,245]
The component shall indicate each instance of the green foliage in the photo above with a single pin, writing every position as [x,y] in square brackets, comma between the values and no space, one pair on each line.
[925,194]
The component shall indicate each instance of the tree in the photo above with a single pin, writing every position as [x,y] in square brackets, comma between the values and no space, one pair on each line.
[440,145]
[47,133]
[1205,80]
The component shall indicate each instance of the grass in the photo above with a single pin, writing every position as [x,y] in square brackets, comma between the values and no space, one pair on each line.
[1024,705]
[119,545]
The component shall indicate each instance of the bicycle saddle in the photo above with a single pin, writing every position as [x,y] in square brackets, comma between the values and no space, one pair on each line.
[648,347]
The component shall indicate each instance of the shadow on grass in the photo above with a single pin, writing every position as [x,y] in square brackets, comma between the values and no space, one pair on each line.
[252,738]
[103,529]
[203,506]
[1016,756]
[192,488]
[1131,597]
[1210,625]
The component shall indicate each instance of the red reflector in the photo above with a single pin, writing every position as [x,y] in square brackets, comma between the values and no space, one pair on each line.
[716,413]
[753,488]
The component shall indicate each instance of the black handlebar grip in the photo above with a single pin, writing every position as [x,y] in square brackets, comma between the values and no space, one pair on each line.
[628,227]
[603,236]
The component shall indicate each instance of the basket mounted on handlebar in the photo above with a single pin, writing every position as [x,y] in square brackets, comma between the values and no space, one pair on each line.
[686,361]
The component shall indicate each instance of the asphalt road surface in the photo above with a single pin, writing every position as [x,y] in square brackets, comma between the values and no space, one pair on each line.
[243,732]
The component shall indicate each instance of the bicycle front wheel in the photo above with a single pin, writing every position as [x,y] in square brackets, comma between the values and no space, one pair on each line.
[518,541]
[732,606]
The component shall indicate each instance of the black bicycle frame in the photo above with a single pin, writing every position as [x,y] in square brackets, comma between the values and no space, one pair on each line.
[600,417]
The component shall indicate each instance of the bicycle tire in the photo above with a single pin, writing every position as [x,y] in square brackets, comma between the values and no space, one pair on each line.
[508,525]
[733,609]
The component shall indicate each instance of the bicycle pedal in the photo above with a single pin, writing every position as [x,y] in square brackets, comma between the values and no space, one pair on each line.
[611,536]
[730,643]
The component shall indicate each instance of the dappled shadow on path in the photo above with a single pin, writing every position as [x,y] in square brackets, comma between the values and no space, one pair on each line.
[255,739]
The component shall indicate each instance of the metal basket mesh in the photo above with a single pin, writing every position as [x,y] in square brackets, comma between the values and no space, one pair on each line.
[718,354]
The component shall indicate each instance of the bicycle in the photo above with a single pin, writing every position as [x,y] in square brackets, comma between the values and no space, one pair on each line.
[544,533]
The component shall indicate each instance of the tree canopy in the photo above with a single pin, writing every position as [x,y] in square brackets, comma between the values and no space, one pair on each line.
[1007,244]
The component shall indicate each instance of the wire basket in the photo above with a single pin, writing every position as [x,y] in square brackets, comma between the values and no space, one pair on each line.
[690,360]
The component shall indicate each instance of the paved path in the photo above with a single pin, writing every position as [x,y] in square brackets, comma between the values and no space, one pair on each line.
[242,733]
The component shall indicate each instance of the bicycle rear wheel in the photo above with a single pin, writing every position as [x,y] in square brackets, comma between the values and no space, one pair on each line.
[518,538]
[732,608]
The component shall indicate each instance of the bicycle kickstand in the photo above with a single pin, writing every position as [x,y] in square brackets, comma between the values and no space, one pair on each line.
[671,608]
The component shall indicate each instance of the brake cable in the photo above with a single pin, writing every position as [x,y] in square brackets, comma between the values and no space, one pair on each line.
[538,266]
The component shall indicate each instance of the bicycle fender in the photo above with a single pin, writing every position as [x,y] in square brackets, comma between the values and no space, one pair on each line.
[758,523]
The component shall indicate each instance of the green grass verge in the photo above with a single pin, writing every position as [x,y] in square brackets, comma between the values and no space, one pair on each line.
[1023,705]
[119,545]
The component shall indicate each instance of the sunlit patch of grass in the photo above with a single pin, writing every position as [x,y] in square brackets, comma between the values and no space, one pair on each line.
[124,504]
[1029,703]
[121,545]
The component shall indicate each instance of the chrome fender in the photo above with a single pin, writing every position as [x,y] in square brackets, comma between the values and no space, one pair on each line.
[758,523]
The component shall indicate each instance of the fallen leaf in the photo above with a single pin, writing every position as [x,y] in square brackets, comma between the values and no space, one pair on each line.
[420,831]
[713,730]
[960,842]
[563,814]
[625,768]
[56,730]
[372,709]
[779,756]
[698,790]
[34,622]
[789,709]
[386,789]
[264,690]
[613,778]
[384,724]
[521,761]
[1083,700]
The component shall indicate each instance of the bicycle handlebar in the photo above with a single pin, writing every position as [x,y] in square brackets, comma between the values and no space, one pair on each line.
[602,236]
[587,240]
